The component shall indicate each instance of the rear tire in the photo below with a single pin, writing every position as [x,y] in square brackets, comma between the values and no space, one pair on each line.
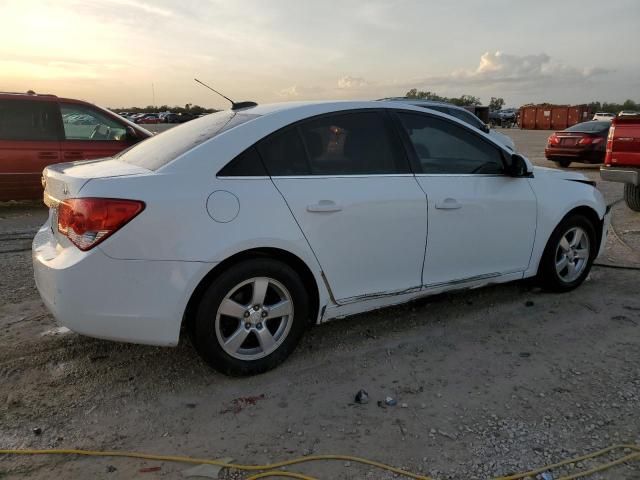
[632,196]
[237,329]
[569,254]
[563,163]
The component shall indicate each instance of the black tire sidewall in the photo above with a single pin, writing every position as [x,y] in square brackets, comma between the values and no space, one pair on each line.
[549,278]
[204,335]
[632,196]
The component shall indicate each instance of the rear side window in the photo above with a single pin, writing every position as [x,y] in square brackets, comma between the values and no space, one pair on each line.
[284,154]
[29,120]
[247,164]
[445,148]
[359,143]
[157,151]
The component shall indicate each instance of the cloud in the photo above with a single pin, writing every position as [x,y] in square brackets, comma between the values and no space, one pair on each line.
[146,7]
[349,82]
[296,91]
[502,68]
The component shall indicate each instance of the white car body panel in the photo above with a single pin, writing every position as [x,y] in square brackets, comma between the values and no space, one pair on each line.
[351,220]
[468,218]
[135,286]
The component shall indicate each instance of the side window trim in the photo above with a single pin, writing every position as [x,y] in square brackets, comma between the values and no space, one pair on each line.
[413,156]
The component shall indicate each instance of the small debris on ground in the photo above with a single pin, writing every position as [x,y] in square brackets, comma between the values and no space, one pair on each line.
[362,397]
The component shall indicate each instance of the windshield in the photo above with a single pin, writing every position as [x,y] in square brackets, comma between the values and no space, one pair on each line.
[161,149]
[589,127]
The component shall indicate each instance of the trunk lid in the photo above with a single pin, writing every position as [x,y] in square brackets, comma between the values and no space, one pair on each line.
[65,180]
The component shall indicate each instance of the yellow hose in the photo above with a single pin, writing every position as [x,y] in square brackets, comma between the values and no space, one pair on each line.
[600,468]
[280,473]
[172,458]
[271,470]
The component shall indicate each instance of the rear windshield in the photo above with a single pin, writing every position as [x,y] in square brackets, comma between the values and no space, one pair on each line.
[589,127]
[161,149]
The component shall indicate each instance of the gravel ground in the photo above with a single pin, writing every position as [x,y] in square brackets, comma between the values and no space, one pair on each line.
[488,382]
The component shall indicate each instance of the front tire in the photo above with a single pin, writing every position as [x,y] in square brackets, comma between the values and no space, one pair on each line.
[569,254]
[632,196]
[251,317]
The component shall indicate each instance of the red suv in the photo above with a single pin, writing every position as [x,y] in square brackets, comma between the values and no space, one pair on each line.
[38,130]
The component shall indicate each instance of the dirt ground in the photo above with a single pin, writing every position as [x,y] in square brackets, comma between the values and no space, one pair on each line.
[488,382]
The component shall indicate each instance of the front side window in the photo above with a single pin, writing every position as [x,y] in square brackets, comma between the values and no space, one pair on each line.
[466,117]
[442,147]
[29,120]
[85,123]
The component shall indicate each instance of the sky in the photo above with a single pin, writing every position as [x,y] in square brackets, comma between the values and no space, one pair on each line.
[120,53]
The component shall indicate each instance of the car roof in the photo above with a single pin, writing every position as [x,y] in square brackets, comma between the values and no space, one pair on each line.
[419,101]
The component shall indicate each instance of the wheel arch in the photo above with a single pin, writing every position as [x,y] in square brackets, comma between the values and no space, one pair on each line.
[284,256]
[585,210]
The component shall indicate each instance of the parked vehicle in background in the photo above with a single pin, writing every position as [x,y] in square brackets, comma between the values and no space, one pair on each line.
[185,117]
[252,225]
[583,143]
[628,113]
[148,118]
[39,130]
[171,118]
[622,162]
[604,116]
[459,113]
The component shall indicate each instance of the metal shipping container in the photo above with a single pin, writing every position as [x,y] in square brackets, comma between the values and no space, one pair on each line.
[552,117]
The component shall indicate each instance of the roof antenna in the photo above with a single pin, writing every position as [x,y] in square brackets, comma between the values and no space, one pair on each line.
[234,105]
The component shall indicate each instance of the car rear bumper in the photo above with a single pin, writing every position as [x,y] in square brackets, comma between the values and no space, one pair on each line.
[126,300]
[575,155]
[620,174]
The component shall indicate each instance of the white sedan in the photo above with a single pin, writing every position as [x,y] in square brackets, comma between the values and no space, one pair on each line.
[246,227]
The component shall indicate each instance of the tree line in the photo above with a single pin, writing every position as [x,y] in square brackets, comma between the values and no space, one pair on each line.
[497,103]
[188,108]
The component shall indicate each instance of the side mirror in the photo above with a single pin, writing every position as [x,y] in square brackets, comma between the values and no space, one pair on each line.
[486,128]
[518,166]
[131,133]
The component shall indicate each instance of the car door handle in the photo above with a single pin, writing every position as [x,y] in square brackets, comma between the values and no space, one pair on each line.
[73,156]
[448,204]
[324,206]
[48,155]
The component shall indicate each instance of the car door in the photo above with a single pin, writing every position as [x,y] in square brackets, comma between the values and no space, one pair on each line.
[346,179]
[29,141]
[482,222]
[90,134]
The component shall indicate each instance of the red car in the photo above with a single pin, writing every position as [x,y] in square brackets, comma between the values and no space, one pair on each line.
[584,143]
[150,118]
[622,163]
[38,130]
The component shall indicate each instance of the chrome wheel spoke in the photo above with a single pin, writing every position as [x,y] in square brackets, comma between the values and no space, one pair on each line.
[280,309]
[571,271]
[235,341]
[564,244]
[260,286]
[577,237]
[562,264]
[232,308]
[582,253]
[266,339]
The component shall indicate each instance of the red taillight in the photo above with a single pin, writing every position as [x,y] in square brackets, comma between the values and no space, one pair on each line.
[88,221]
[609,148]
[553,140]
[586,141]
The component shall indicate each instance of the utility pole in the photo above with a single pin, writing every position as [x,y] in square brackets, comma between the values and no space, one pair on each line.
[153,94]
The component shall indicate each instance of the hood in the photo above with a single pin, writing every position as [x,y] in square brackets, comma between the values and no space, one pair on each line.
[503,139]
[559,174]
